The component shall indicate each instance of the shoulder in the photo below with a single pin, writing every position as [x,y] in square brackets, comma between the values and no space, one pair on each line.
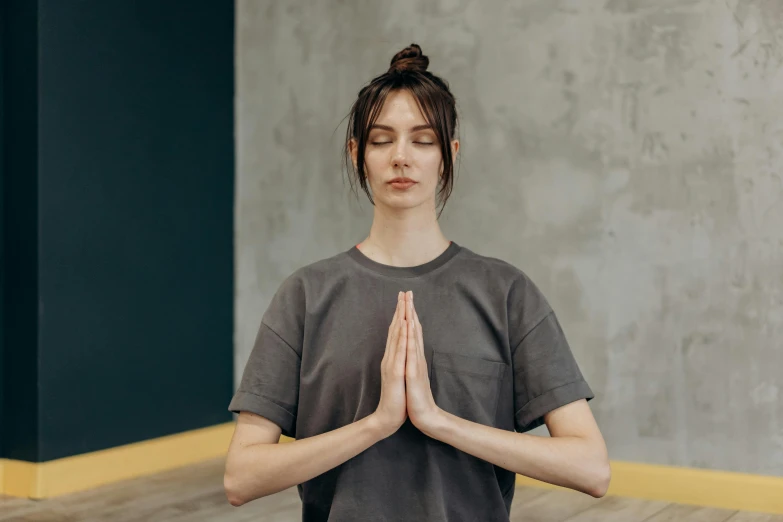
[308,278]
[525,302]
[285,314]
[515,279]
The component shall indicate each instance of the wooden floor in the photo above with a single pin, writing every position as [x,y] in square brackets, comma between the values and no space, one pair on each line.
[196,493]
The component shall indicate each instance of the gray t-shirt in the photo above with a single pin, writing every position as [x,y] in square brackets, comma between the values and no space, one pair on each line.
[496,355]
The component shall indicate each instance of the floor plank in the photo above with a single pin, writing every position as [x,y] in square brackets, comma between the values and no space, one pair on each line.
[195,494]
[525,494]
[553,506]
[32,510]
[619,509]
[44,515]
[685,513]
[750,516]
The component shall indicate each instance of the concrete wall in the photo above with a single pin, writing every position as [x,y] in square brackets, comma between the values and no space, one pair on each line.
[627,155]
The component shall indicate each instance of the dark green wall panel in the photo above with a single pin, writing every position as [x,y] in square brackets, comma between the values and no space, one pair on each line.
[135,221]
[20,395]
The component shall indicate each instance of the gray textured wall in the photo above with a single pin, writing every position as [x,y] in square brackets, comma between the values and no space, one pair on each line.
[626,155]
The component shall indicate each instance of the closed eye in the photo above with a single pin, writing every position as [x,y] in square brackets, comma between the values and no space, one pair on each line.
[388,142]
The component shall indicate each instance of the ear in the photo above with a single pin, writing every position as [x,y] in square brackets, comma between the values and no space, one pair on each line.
[454,150]
[353,147]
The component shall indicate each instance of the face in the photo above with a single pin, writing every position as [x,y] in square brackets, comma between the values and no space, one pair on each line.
[401,144]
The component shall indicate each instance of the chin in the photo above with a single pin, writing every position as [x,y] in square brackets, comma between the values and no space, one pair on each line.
[400,202]
[391,198]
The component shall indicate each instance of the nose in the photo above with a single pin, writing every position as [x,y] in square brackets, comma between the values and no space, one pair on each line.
[400,156]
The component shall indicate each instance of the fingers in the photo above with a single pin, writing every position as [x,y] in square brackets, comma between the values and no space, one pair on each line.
[410,363]
[400,338]
[394,319]
[393,335]
[411,328]
[399,358]
[405,338]
[419,333]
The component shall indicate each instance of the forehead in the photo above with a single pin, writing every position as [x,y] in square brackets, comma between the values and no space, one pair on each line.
[400,109]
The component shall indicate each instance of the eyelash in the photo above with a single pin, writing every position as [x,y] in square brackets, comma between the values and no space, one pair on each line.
[387,142]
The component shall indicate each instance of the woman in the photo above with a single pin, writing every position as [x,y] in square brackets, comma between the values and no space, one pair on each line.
[424,418]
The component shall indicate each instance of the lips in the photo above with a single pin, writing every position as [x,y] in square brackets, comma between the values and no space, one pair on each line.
[402,180]
[402,185]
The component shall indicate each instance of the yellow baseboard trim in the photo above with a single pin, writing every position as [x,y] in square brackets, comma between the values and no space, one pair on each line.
[721,489]
[711,488]
[81,472]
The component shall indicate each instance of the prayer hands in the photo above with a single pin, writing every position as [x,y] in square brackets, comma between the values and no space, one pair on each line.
[405,383]
[421,406]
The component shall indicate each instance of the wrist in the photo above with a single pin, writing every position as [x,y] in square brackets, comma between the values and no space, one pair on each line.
[435,425]
[378,427]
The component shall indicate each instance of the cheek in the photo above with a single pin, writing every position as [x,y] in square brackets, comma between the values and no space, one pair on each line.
[374,163]
[432,160]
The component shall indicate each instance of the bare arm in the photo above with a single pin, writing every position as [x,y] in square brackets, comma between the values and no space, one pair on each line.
[575,456]
[256,466]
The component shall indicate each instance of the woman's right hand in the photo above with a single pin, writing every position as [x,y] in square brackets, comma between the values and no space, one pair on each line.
[392,410]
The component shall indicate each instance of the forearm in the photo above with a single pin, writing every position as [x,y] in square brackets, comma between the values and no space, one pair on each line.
[264,469]
[571,462]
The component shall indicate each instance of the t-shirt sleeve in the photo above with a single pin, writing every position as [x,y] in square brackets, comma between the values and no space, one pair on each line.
[270,381]
[546,374]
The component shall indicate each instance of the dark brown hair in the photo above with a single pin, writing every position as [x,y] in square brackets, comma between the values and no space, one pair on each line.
[408,70]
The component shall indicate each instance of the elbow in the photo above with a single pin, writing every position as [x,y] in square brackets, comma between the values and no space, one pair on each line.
[232,490]
[235,481]
[240,491]
[599,484]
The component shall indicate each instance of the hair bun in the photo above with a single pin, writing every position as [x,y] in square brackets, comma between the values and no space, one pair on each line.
[409,59]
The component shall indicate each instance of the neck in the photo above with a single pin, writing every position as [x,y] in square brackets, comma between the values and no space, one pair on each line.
[404,237]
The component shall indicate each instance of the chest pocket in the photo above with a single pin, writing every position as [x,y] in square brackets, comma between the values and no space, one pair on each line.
[467,387]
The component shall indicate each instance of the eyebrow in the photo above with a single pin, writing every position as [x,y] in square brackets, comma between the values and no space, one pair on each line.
[413,129]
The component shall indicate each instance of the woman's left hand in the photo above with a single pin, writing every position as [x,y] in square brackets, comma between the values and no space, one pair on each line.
[422,410]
